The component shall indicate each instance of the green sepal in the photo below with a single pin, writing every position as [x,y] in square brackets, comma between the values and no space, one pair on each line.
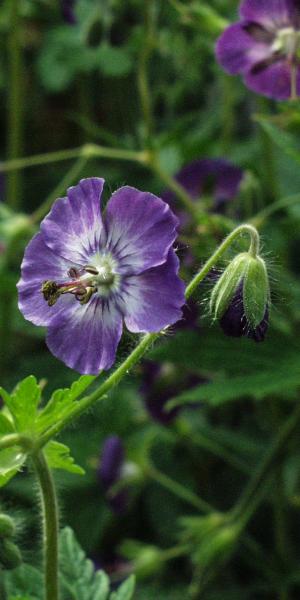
[7,526]
[10,555]
[227,284]
[256,292]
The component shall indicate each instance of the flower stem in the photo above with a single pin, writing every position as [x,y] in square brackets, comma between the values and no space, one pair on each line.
[50,519]
[67,180]
[178,490]
[16,86]
[146,342]
[142,72]
[262,216]
[254,248]
[88,150]
[252,495]
[173,185]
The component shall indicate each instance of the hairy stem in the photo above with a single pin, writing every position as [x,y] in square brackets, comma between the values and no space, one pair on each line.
[16,86]
[50,524]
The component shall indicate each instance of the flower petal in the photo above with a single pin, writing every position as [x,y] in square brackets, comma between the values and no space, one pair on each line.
[154,299]
[39,264]
[273,81]
[270,13]
[140,229]
[87,336]
[237,50]
[74,225]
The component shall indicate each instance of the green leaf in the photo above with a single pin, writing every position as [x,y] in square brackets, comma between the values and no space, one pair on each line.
[11,460]
[285,379]
[114,61]
[78,576]
[23,403]
[24,582]
[58,457]
[6,425]
[125,591]
[283,140]
[61,403]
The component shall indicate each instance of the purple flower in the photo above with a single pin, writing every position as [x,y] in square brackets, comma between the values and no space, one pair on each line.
[161,382]
[68,12]
[110,473]
[83,275]
[264,47]
[214,177]
[234,321]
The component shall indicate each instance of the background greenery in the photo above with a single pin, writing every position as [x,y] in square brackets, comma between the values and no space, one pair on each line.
[133,76]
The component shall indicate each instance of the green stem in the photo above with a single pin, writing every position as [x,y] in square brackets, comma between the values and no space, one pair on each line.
[182,195]
[261,217]
[88,151]
[218,450]
[254,249]
[3,593]
[15,439]
[146,342]
[50,519]
[142,73]
[16,86]
[178,490]
[257,486]
[70,177]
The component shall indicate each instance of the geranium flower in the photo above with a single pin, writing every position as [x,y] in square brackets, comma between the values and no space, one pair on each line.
[68,11]
[215,177]
[264,47]
[110,473]
[83,275]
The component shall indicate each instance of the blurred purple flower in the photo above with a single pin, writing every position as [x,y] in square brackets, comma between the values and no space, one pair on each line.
[83,275]
[110,473]
[264,47]
[234,322]
[161,382]
[68,11]
[214,177]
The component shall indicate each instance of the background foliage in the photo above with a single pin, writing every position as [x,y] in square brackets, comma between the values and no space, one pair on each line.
[80,84]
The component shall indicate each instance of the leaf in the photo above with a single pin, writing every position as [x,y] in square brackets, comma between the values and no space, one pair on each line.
[61,403]
[58,457]
[25,583]
[11,460]
[78,576]
[23,403]
[284,379]
[283,140]
[125,591]
[6,425]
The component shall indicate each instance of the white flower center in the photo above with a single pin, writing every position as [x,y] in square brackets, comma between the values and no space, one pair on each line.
[287,41]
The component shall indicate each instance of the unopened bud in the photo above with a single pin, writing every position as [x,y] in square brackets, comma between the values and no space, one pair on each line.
[241,297]
[10,555]
[7,526]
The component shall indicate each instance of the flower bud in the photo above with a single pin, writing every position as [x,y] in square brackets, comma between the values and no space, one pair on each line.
[7,526]
[10,555]
[147,559]
[241,297]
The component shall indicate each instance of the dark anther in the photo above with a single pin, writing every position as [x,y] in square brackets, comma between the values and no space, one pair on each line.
[91,269]
[50,291]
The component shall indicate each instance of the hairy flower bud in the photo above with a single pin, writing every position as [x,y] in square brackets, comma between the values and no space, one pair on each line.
[7,526]
[241,297]
[10,555]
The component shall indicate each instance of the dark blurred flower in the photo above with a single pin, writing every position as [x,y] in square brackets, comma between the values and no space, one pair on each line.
[240,298]
[234,321]
[110,473]
[68,11]
[161,382]
[215,178]
[264,47]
